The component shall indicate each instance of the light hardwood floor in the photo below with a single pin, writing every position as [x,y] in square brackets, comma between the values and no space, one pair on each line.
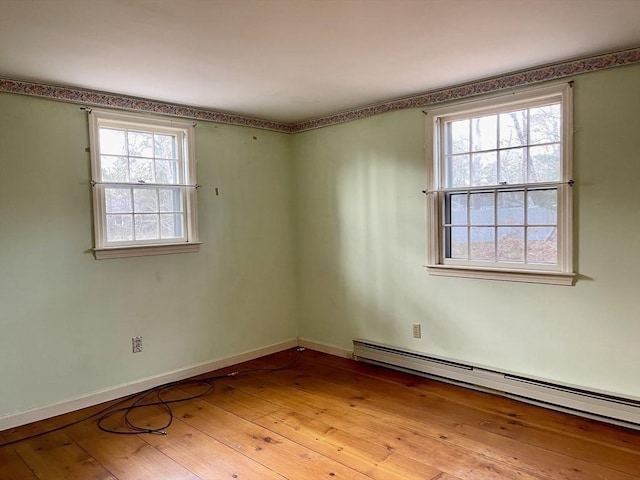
[332,418]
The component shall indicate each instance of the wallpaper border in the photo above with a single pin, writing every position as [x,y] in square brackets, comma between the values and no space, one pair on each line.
[123,102]
[490,85]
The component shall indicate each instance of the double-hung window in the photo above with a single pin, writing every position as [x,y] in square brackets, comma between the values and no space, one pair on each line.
[500,187]
[144,185]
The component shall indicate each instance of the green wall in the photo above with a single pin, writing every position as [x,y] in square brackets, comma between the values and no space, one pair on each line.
[319,234]
[361,238]
[66,319]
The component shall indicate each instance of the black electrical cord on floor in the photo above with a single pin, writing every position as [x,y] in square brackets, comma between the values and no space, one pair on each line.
[130,427]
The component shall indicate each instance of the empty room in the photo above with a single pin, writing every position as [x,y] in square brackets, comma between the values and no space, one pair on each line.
[320,239]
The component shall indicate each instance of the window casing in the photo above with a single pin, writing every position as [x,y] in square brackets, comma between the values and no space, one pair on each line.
[499,195]
[144,185]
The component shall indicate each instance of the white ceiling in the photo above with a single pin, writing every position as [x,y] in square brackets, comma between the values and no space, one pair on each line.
[295,60]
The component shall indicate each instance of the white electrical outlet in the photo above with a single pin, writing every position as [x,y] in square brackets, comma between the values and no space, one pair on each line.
[417,330]
[136,344]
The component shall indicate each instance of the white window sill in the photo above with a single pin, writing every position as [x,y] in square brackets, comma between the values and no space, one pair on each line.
[145,250]
[528,276]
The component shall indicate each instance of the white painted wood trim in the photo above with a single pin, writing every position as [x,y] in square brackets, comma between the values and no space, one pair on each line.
[527,276]
[145,250]
[17,419]
[326,348]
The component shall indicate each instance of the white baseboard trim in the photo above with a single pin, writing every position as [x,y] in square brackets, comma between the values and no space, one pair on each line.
[325,348]
[22,418]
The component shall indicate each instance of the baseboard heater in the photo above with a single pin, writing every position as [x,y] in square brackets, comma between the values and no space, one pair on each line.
[598,405]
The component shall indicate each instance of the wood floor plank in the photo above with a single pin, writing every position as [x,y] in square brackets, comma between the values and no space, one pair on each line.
[431,451]
[346,371]
[358,452]
[589,447]
[389,438]
[245,405]
[17,433]
[12,467]
[329,417]
[476,421]
[127,456]
[604,434]
[56,456]
[469,437]
[583,447]
[598,448]
[207,457]
[269,449]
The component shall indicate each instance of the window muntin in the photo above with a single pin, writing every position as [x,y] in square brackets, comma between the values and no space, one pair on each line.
[499,174]
[518,146]
[517,226]
[144,182]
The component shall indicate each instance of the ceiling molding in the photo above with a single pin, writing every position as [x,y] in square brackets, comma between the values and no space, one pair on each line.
[491,85]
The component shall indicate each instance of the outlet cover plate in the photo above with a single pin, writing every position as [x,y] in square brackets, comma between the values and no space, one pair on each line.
[136,344]
[417,330]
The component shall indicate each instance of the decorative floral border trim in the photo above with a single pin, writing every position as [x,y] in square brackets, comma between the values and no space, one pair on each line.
[112,100]
[490,85]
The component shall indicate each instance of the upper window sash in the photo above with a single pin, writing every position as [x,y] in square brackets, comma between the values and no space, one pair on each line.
[184,130]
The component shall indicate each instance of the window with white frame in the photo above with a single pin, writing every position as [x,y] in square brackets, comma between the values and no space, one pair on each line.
[499,187]
[144,185]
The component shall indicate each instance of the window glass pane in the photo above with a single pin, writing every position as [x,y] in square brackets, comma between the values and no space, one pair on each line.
[119,228]
[112,142]
[165,146]
[544,163]
[482,244]
[141,170]
[542,245]
[114,169]
[457,209]
[513,129]
[511,244]
[513,166]
[117,200]
[457,137]
[167,172]
[140,144]
[145,200]
[511,208]
[542,207]
[456,239]
[484,169]
[484,132]
[171,225]
[544,124]
[146,226]
[457,171]
[170,200]
[481,209]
